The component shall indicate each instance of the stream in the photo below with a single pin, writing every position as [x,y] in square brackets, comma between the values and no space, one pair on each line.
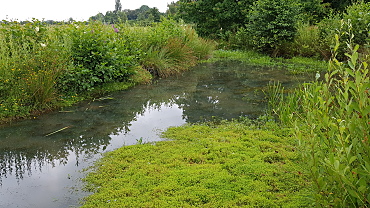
[42,159]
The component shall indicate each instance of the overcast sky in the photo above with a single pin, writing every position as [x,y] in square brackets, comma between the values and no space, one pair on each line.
[64,9]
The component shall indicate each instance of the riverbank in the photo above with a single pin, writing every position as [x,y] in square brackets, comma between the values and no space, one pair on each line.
[45,67]
[228,164]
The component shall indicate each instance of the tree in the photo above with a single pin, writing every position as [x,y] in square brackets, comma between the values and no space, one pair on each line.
[213,17]
[156,14]
[143,14]
[272,22]
[118,6]
[173,9]
[98,17]
[314,11]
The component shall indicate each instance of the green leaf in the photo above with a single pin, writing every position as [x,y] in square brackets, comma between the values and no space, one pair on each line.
[362,189]
[352,193]
[336,165]
[350,64]
[366,111]
[353,158]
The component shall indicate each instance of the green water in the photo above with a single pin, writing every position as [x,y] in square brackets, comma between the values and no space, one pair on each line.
[42,169]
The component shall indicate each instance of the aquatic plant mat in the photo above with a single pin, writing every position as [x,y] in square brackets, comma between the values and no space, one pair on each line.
[230,164]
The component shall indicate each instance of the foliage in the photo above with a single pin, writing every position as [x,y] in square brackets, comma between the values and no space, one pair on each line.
[294,65]
[306,43]
[29,66]
[271,23]
[353,25]
[45,66]
[341,5]
[118,6]
[358,15]
[143,16]
[226,165]
[331,118]
[314,10]
[99,56]
[169,47]
[173,10]
[214,17]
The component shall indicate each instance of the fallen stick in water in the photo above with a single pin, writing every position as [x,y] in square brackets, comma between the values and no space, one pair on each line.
[54,132]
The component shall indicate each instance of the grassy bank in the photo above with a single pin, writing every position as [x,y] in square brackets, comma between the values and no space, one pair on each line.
[44,66]
[294,65]
[226,165]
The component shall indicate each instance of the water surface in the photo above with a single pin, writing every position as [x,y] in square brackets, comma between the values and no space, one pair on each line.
[40,169]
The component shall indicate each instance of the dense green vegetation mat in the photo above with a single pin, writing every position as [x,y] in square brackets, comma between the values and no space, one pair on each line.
[226,165]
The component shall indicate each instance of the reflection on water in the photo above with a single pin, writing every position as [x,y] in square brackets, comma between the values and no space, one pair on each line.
[41,169]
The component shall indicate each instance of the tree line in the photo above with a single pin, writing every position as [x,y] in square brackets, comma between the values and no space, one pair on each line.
[142,14]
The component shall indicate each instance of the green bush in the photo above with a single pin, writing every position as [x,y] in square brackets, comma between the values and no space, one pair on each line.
[358,15]
[352,27]
[241,40]
[32,56]
[306,42]
[169,47]
[99,55]
[331,120]
[272,23]
[328,27]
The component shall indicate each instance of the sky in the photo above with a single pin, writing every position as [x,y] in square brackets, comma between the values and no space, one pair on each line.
[60,10]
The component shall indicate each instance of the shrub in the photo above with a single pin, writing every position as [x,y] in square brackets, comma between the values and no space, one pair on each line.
[241,40]
[306,42]
[99,55]
[328,27]
[201,48]
[331,120]
[353,27]
[32,56]
[271,23]
[358,15]
[169,47]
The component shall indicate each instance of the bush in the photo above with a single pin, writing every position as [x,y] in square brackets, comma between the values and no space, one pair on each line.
[358,15]
[352,27]
[169,47]
[272,23]
[32,56]
[305,43]
[99,55]
[331,120]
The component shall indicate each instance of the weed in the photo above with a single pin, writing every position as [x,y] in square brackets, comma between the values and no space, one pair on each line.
[224,165]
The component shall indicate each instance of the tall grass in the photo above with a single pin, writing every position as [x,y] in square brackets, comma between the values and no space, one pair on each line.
[32,56]
[331,119]
[169,48]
